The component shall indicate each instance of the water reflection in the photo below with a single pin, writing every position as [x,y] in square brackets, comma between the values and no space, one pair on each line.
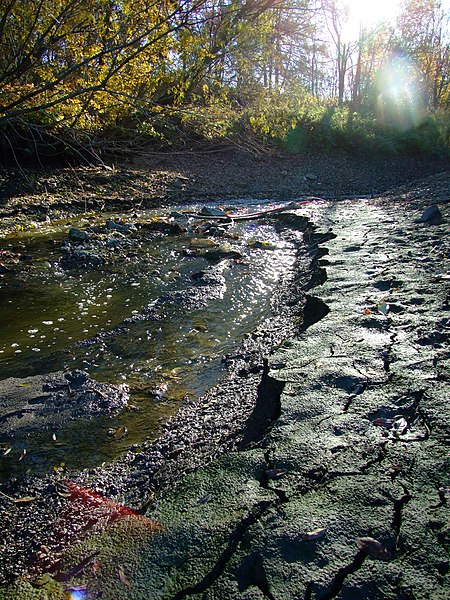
[141,319]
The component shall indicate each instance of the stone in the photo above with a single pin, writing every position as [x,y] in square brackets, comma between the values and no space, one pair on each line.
[432,215]
[122,228]
[77,235]
[80,258]
[210,211]
[164,226]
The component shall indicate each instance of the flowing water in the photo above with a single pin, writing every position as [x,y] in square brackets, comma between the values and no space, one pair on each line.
[126,323]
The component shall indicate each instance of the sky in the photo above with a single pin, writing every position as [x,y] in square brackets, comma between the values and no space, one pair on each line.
[371,12]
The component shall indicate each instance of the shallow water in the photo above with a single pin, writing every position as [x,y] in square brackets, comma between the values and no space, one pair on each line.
[52,319]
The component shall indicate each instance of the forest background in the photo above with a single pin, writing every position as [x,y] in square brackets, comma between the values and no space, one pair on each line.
[82,79]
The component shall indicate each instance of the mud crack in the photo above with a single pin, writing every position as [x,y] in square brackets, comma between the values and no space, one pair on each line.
[397,518]
[340,577]
[252,517]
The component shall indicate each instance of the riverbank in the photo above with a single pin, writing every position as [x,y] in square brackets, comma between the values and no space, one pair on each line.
[338,490]
[32,196]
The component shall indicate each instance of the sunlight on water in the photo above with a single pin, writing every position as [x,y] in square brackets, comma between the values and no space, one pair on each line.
[129,322]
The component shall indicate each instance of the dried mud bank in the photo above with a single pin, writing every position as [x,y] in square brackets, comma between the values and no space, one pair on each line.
[347,496]
[322,471]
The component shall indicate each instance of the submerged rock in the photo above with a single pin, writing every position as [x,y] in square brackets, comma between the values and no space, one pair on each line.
[41,403]
[432,215]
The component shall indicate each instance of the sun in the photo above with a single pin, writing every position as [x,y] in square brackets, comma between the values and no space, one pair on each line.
[369,13]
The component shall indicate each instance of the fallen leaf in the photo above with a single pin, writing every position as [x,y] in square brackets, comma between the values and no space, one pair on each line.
[119,432]
[123,577]
[400,425]
[383,308]
[395,470]
[112,509]
[367,311]
[382,422]
[275,473]
[315,534]
[96,566]
[22,454]
[24,499]
[7,451]
[372,547]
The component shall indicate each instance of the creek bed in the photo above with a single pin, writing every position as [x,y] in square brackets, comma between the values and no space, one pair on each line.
[157,315]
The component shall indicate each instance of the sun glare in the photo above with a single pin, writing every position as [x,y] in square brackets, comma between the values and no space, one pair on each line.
[399,100]
[369,13]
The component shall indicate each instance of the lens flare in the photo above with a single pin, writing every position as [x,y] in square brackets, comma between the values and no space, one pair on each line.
[77,594]
[400,102]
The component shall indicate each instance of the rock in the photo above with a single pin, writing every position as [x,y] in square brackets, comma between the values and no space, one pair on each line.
[262,245]
[210,211]
[77,235]
[118,241]
[180,182]
[202,243]
[76,378]
[221,253]
[42,403]
[164,226]
[121,227]
[432,215]
[81,258]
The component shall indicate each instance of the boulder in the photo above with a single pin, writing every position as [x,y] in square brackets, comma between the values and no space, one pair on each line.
[432,215]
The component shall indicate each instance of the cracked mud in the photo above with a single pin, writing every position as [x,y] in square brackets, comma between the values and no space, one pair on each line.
[337,485]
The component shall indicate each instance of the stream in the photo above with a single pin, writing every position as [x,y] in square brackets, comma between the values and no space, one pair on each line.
[148,303]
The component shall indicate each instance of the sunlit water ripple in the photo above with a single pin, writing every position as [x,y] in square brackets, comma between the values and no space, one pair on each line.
[47,314]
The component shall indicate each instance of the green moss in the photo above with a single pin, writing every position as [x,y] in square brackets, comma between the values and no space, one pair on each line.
[44,588]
